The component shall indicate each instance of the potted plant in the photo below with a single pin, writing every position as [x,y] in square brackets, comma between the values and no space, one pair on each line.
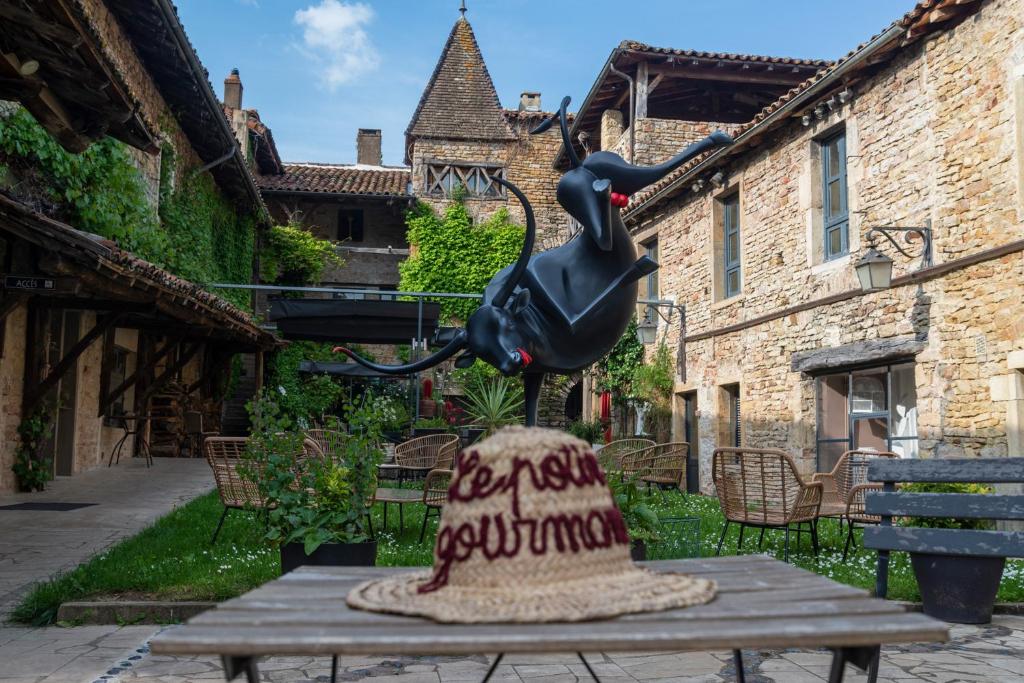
[318,507]
[956,588]
[592,432]
[641,520]
[493,403]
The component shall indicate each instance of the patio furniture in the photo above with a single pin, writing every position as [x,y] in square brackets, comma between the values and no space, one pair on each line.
[761,488]
[612,453]
[953,543]
[420,455]
[331,442]
[761,603]
[850,471]
[195,434]
[133,425]
[225,454]
[400,497]
[856,514]
[662,465]
[446,456]
[435,495]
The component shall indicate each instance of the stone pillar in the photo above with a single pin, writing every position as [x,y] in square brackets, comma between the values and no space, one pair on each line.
[1008,389]
[611,128]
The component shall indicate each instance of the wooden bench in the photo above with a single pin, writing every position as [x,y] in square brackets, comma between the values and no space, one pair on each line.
[888,503]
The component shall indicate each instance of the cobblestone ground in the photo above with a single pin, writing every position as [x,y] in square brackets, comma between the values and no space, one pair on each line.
[35,544]
[107,654]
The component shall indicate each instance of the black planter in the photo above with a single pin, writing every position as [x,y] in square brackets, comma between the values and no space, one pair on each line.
[293,555]
[638,550]
[957,588]
[394,437]
[427,431]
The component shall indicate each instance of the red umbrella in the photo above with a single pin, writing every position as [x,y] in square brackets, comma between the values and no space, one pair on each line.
[606,415]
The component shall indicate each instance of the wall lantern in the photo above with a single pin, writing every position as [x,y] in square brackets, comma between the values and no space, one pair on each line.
[647,330]
[647,323]
[874,269]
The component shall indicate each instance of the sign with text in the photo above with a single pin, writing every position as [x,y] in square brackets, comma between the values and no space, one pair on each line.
[30,282]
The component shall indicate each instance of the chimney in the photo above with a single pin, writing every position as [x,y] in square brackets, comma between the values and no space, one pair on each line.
[529,101]
[368,146]
[233,91]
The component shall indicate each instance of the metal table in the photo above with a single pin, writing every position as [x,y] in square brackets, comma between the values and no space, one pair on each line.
[133,425]
[761,603]
[400,497]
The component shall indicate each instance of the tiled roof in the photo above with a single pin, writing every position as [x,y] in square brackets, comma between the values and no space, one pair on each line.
[460,102]
[724,56]
[351,179]
[927,16]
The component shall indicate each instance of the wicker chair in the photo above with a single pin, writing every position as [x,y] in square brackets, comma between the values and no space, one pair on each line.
[435,495]
[331,442]
[420,455]
[762,488]
[446,456]
[225,454]
[662,465]
[850,471]
[611,455]
[855,512]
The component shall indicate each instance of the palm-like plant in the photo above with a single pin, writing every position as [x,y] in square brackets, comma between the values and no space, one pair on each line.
[494,403]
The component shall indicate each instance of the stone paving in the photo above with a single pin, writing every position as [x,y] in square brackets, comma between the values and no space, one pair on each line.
[35,544]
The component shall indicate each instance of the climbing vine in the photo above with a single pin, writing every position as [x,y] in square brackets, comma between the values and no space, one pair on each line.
[197,233]
[616,371]
[294,256]
[451,254]
[31,469]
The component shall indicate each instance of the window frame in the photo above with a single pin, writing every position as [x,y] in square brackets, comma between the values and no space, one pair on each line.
[360,225]
[731,263]
[734,415]
[442,177]
[840,221]
[651,281]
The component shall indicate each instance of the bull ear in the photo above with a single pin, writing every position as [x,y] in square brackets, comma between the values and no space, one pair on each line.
[465,360]
[521,301]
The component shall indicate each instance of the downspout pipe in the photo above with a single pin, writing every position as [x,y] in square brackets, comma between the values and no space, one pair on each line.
[218,161]
[632,107]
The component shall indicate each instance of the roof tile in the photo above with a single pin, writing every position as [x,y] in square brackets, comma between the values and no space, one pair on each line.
[351,179]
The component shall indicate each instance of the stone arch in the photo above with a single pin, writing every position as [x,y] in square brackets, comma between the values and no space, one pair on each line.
[553,395]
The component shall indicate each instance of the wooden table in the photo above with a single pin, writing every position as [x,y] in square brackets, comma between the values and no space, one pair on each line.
[761,603]
[400,497]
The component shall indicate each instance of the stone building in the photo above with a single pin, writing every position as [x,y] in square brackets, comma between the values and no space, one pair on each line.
[89,331]
[919,126]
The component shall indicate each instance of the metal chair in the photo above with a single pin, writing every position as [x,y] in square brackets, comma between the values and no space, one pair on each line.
[762,488]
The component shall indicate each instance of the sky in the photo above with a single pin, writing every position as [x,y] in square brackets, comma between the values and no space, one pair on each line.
[317,70]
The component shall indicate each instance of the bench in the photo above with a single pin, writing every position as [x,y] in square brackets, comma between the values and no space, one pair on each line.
[888,503]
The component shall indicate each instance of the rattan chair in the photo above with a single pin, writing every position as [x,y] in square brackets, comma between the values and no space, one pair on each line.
[420,455]
[225,454]
[435,495]
[332,443]
[855,513]
[761,488]
[611,455]
[850,470]
[446,455]
[662,465]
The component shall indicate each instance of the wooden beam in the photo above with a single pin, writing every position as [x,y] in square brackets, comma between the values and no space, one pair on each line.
[34,393]
[642,89]
[172,370]
[654,84]
[723,76]
[144,366]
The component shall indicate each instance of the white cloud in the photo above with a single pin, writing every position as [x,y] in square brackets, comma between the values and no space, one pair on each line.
[334,36]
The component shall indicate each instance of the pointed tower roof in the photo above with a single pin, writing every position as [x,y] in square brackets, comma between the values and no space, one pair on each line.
[459,102]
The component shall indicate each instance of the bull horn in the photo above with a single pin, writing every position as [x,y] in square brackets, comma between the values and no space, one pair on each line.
[501,298]
[449,350]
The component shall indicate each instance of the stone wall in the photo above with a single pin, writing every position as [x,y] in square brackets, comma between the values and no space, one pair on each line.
[929,137]
[12,376]
[657,140]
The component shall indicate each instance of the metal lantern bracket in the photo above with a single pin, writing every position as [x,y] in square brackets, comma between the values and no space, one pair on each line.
[923,232]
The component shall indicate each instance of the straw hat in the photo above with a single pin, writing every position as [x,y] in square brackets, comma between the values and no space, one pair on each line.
[530,533]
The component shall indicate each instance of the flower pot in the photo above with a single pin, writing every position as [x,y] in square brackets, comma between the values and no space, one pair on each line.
[428,408]
[638,550]
[958,588]
[293,555]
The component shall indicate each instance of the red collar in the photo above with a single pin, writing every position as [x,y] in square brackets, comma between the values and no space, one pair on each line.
[620,200]
[525,355]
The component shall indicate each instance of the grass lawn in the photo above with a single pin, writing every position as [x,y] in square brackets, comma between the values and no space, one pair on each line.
[173,559]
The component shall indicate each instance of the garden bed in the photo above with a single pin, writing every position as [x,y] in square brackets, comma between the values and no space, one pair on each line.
[173,559]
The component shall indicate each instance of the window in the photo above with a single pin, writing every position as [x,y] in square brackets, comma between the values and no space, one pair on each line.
[734,417]
[731,251]
[122,366]
[476,179]
[651,282]
[835,213]
[690,436]
[350,225]
[872,408]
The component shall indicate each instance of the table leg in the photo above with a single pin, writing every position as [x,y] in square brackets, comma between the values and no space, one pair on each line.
[737,663]
[864,658]
[494,666]
[233,666]
[587,664]
[334,668]
[385,515]
[117,450]
[401,519]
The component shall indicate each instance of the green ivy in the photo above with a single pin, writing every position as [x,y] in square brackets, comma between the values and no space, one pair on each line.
[30,467]
[450,254]
[617,370]
[294,256]
[198,234]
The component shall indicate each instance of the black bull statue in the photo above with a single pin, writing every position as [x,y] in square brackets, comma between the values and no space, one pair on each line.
[563,309]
